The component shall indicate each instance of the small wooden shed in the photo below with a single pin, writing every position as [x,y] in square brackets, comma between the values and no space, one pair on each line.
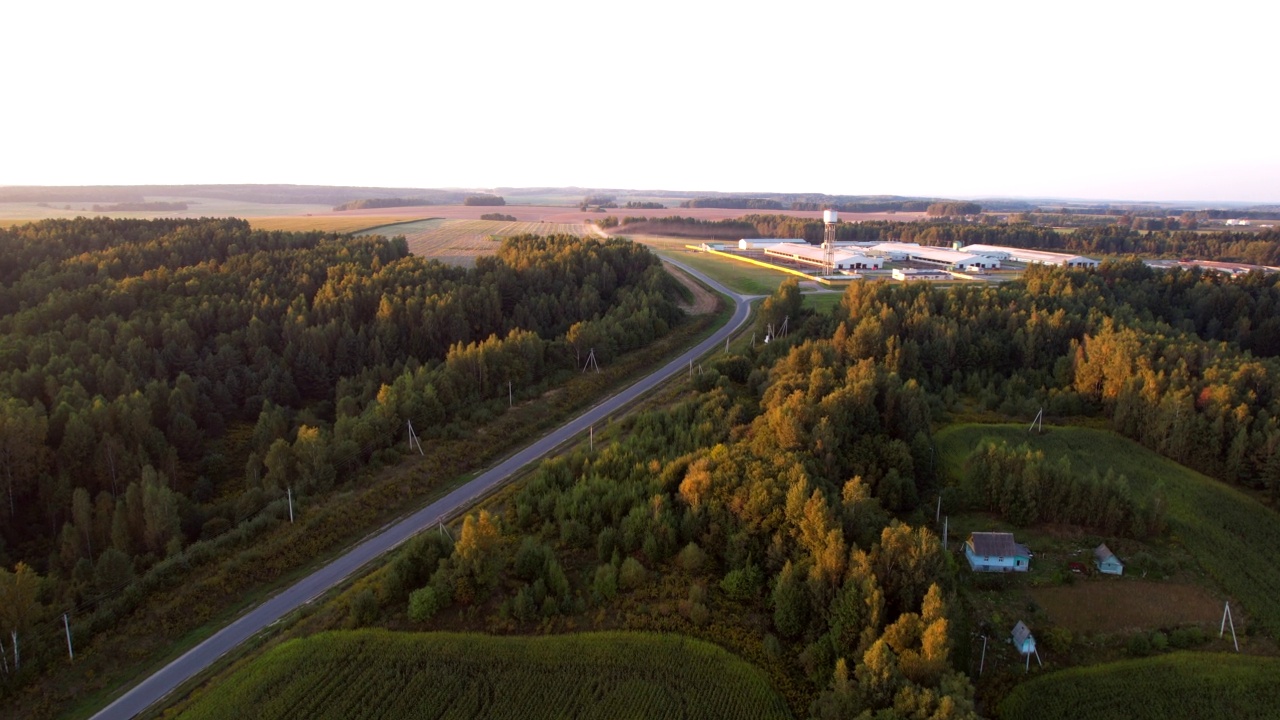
[1025,642]
[1106,561]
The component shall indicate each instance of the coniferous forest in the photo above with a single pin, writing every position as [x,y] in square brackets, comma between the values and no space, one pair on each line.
[164,382]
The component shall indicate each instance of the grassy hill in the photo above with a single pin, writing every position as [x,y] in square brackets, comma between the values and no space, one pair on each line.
[1180,685]
[383,674]
[1231,535]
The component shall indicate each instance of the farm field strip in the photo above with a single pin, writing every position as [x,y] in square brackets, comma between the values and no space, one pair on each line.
[324,223]
[384,674]
[1230,534]
[460,242]
[1179,685]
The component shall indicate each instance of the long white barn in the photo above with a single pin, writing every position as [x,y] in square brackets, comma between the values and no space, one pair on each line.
[1031,257]
[814,255]
[934,256]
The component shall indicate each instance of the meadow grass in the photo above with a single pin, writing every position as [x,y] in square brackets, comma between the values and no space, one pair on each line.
[1178,685]
[385,674]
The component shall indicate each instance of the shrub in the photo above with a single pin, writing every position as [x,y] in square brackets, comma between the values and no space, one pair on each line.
[632,574]
[424,603]
[363,609]
[692,558]
[743,583]
[606,582]
[1139,645]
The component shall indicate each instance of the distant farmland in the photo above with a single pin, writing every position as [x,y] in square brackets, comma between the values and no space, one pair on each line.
[325,223]
[377,673]
[460,242]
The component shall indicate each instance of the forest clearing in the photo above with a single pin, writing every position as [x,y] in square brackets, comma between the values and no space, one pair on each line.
[375,673]
[460,242]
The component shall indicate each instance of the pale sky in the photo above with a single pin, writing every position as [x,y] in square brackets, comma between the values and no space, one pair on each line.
[1098,100]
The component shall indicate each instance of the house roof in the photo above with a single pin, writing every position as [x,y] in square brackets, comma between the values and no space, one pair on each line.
[1102,553]
[1020,634]
[997,544]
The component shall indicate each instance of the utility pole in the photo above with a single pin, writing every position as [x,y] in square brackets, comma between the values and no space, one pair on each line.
[413,439]
[1226,618]
[510,398]
[983,662]
[289,490]
[67,624]
[591,361]
[591,438]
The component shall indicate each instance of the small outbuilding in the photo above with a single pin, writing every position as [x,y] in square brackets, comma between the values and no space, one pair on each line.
[1024,642]
[1106,561]
[996,552]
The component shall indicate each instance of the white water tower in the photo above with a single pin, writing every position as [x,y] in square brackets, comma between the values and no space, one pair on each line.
[829,220]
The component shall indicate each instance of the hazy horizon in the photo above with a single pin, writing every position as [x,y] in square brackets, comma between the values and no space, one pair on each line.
[1140,102]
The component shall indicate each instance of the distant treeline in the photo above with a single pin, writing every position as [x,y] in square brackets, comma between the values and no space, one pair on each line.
[633,205]
[158,205]
[734,203]
[866,207]
[484,200]
[278,194]
[950,208]
[1258,212]
[687,227]
[382,203]
[498,216]
[600,201]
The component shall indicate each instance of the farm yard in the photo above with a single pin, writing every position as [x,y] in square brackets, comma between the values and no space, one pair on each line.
[383,674]
[460,242]
[1227,536]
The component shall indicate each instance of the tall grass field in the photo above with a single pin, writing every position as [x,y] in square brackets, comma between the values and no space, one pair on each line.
[1205,686]
[382,674]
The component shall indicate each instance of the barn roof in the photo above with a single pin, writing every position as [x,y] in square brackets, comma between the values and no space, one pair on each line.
[1020,634]
[996,544]
[1102,553]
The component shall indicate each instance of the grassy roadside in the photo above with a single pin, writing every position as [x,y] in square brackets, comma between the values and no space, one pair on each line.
[177,618]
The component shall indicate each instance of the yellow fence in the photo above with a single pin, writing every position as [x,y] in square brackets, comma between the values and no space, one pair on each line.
[771,266]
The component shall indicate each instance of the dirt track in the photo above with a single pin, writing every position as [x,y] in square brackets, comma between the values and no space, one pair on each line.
[703,301]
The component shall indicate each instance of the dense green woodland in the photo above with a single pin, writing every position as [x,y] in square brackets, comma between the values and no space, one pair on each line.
[163,381]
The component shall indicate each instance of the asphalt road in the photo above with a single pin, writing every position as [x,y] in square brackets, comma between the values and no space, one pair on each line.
[154,689]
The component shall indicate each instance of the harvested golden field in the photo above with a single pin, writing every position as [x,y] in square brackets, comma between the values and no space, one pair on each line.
[460,242]
[326,223]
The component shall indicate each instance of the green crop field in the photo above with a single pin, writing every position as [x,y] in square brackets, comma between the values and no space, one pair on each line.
[738,276]
[1180,685]
[1230,534]
[460,242]
[384,674]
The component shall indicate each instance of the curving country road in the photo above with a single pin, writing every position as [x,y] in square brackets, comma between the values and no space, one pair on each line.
[157,686]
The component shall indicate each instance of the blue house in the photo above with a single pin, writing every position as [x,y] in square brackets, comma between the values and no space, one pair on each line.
[996,552]
[1106,561]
